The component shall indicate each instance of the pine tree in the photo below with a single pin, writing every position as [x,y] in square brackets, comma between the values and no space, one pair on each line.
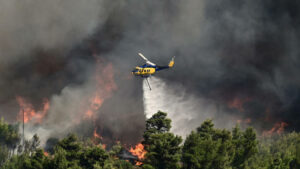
[208,148]
[163,148]
[245,145]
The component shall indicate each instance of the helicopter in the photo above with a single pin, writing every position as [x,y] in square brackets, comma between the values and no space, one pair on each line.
[149,68]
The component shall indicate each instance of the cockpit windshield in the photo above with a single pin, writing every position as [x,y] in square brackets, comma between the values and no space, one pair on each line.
[135,70]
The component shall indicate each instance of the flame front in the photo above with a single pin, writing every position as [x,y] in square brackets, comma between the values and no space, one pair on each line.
[277,128]
[95,105]
[96,135]
[139,152]
[104,79]
[30,115]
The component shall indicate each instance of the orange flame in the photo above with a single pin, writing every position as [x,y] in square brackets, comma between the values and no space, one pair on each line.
[46,153]
[105,84]
[138,163]
[139,152]
[97,138]
[95,105]
[246,121]
[277,128]
[238,103]
[29,113]
[96,135]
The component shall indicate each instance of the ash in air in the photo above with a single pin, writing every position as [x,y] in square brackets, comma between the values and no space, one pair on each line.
[67,63]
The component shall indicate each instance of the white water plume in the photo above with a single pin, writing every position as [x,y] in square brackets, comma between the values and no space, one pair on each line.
[186,111]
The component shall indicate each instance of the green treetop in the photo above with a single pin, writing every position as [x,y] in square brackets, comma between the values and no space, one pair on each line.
[163,148]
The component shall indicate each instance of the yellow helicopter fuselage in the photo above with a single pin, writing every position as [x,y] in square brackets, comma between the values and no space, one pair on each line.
[147,71]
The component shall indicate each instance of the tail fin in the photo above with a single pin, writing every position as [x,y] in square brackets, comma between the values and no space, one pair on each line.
[171,63]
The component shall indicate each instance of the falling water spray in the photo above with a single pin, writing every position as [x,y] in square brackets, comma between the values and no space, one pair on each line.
[183,108]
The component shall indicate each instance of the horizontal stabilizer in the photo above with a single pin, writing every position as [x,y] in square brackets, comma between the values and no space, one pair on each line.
[171,63]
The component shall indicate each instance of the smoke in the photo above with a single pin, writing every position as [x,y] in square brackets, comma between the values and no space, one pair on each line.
[46,25]
[242,56]
[185,111]
[36,36]
[235,61]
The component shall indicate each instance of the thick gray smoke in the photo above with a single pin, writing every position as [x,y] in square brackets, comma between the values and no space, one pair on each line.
[235,60]
[36,37]
[241,55]
[45,25]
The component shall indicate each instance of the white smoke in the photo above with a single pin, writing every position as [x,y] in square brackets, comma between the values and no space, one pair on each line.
[66,111]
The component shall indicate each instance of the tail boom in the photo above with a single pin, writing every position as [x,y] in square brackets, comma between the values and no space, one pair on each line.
[170,65]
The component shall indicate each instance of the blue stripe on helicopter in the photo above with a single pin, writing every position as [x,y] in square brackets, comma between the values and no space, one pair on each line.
[158,68]
[145,66]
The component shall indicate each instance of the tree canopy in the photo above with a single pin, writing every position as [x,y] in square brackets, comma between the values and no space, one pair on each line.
[206,147]
[162,146]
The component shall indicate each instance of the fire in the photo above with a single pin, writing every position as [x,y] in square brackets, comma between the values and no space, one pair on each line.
[277,128]
[104,81]
[138,163]
[46,153]
[95,104]
[97,138]
[139,152]
[246,121]
[30,115]
[96,135]
[110,85]
[238,103]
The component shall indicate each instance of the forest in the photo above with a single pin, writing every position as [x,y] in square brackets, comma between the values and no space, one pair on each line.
[207,147]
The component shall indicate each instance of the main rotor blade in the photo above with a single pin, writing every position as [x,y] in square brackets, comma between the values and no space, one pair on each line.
[143,57]
[147,61]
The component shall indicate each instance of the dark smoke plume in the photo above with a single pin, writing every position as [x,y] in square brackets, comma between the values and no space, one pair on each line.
[234,60]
